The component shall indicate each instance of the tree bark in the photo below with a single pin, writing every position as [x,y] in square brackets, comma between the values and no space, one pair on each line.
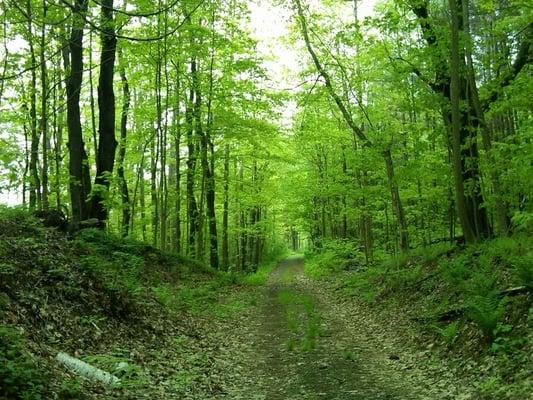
[208,162]
[177,157]
[35,182]
[225,212]
[44,111]
[469,230]
[192,206]
[79,182]
[125,197]
[396,202]
[107,143]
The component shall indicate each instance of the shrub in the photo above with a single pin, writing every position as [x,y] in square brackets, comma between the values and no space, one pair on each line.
[19,377]
[15,221]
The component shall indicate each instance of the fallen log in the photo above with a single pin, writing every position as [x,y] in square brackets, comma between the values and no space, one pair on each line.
[514,291]
[87,370]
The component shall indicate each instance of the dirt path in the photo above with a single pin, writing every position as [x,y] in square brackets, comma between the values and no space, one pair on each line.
[298,344]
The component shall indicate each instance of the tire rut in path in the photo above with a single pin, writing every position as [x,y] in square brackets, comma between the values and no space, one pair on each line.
[301,349]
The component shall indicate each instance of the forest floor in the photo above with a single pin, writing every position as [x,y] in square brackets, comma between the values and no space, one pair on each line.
[302,340]
[171,328]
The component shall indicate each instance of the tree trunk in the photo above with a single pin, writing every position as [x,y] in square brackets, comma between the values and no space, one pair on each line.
[208,163]
[177,151]
[107,143]
[452,84]
[35,182]
[154,199]
[79,183]
[225,212]
[125,197]
[396,203]
[469,203]
[478,119]
[192,206]
[91,96]
[44,112]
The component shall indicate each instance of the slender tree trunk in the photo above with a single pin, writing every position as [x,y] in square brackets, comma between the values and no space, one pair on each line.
[344,205]
[153,187]
[26,157]
[142,201]
[125,197]
[57,136]
[396,203]
[192,206]
[159,149]
[6,50]
[91,96]
[35,182]
[44,111]
[225,212]
[177,150]
[208,162]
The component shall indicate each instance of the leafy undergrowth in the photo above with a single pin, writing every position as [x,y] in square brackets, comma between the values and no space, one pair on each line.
[471,306]
[120,305]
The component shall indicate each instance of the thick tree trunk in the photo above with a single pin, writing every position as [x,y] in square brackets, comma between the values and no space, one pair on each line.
[107,143]
[79,184]
[469,201]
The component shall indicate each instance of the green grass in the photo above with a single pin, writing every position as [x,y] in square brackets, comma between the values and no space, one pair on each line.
[302,319]
[259,277]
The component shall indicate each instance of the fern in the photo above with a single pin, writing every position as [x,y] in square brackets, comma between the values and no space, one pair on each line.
[449,333]
[524,270]
[486,311]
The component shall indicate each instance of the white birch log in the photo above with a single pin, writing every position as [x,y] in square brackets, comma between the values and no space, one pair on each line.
[87,370]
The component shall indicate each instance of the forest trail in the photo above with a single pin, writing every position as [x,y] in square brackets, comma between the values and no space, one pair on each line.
[301,343]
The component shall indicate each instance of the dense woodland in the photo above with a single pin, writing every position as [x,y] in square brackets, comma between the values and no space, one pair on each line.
[156,119]
[172,168]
